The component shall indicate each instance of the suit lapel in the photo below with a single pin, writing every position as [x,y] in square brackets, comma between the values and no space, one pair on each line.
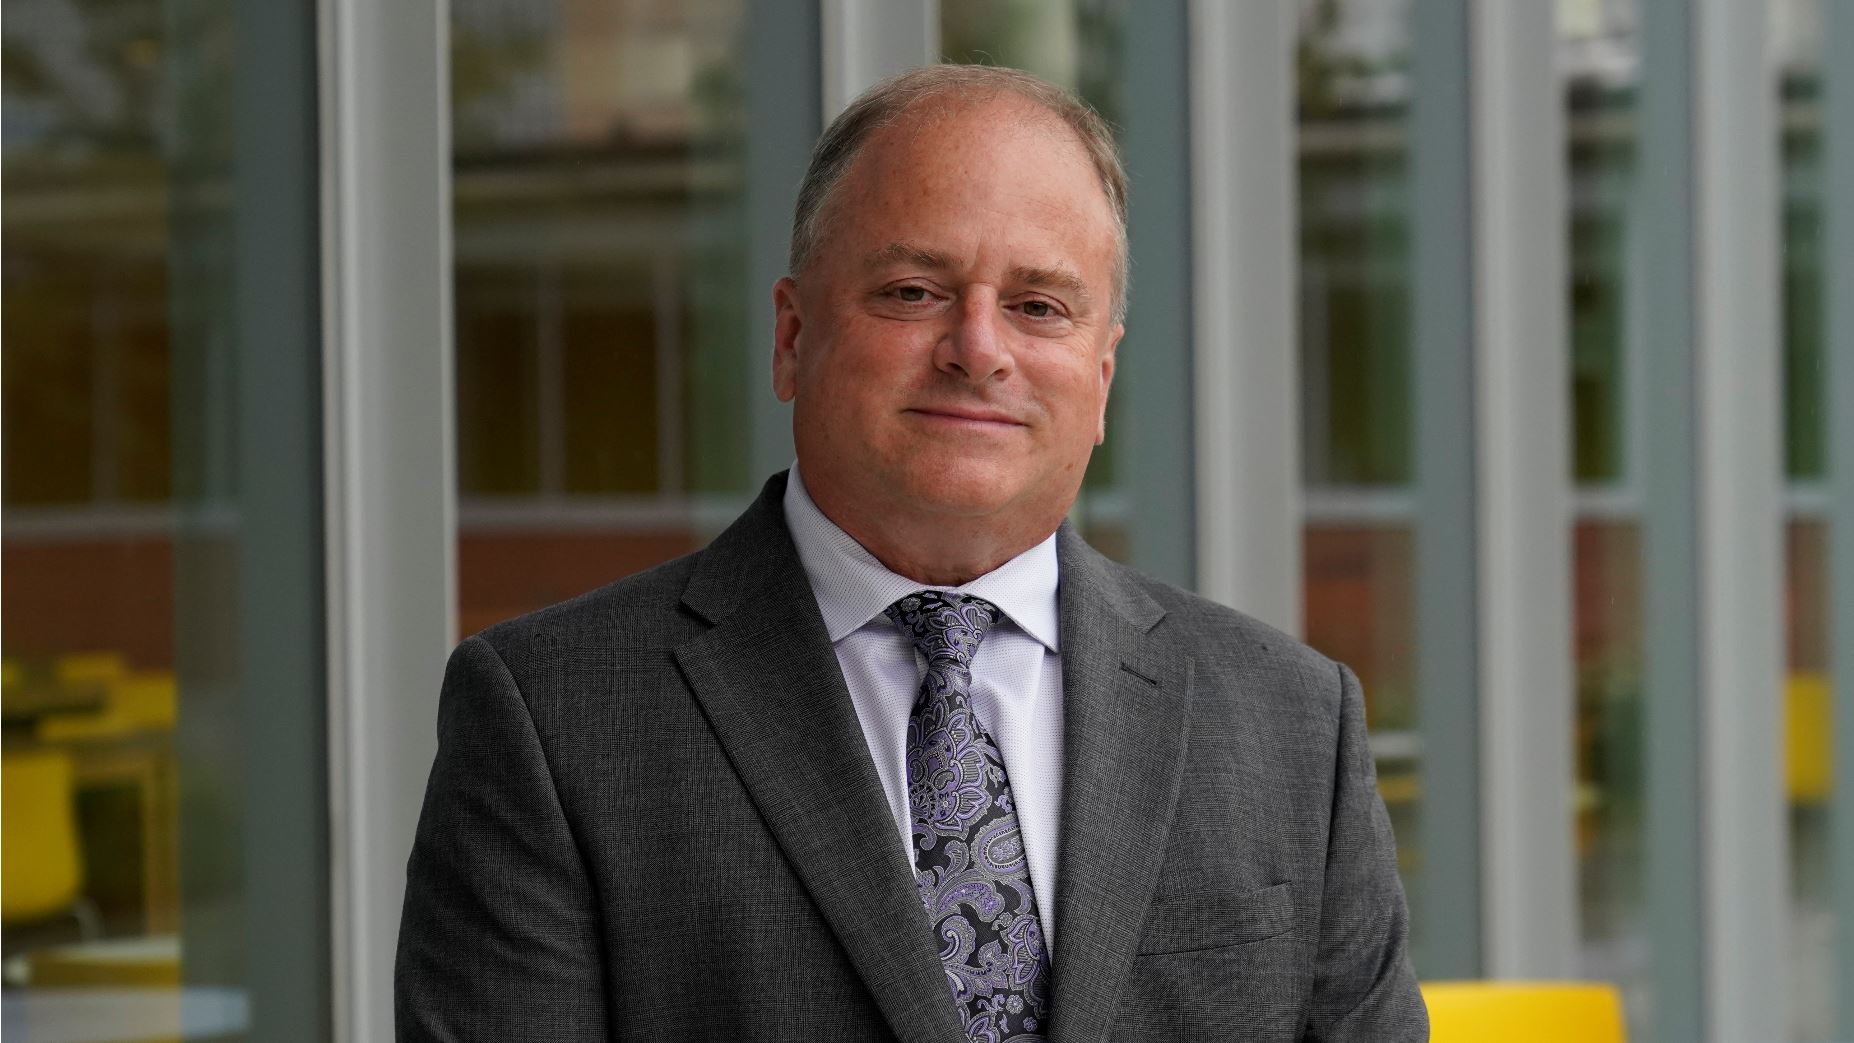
[769,682]
[1125,695]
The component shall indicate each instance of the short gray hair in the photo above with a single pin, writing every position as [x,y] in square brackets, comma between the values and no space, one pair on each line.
[886,102]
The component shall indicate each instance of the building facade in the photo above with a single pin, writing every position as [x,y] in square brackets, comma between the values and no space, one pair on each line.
[1492,347]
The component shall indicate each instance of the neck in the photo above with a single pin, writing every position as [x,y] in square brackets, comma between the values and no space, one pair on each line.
[938,550]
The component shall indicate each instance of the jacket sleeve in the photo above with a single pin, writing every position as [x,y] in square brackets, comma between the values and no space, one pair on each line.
[1364,988]
[499,939]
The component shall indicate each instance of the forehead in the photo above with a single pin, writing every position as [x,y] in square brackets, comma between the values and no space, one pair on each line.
[995,168]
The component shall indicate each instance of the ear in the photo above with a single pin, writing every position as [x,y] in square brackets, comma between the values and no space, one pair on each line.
[1107,378]
[787,322]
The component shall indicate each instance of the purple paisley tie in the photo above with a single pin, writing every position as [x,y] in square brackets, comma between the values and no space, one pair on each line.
[968,854]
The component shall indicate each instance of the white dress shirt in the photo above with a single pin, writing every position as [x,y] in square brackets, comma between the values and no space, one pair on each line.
[1016,673]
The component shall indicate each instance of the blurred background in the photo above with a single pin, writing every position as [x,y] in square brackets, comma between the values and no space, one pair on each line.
[1593,610]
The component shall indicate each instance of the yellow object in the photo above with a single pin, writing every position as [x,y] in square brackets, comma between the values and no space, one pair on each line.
[1400,788]
[148,698]
[1524,1012]
[83,668]
[1809,739]
[43,869]
[133,702]
[147,962]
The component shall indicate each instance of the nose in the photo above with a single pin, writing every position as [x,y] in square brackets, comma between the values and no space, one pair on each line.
[974,348]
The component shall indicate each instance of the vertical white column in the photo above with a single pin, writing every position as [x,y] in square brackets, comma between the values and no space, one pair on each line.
[391,486]
[1492,491]
[1245,346]
[865,41]
[1712,521]
[1737,388]
[1522,495]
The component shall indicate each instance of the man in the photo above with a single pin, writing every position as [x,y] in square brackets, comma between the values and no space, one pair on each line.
[899,756]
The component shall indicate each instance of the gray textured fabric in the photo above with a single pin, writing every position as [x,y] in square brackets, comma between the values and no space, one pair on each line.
[653,817]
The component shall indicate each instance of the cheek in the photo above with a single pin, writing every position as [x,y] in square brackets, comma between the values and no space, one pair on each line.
[1075,397]
[853,387]
[874,364]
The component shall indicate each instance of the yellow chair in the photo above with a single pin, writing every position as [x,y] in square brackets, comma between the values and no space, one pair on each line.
[41,864]
[149,699]
[80,668]
[133,702]
[1524,1012]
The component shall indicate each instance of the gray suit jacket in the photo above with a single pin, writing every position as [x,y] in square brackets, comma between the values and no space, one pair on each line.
[653,816]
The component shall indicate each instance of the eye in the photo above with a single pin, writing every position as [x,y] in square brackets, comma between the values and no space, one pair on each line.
[1038,310]
[911,294]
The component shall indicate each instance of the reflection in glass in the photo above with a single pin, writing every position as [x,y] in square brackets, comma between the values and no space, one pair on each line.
[1600,53]
[144,565]
[1807,769]
[1609,751]
[1599,56]
[90,699]
[1352,68]
[602,369]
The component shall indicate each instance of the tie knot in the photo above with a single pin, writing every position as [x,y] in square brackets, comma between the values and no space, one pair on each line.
[943,625]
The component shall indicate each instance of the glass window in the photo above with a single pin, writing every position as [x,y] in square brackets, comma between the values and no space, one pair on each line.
[603,364]
[163,682]
[1808,731]
[1600,56]
[1601,48]
[1352,64]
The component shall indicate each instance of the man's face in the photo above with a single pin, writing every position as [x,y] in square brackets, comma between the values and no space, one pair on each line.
[949,348]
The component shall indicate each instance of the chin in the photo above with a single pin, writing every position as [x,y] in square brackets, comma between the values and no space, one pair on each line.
[947,487]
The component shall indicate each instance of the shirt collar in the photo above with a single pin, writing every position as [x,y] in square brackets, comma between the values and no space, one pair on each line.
[853,588]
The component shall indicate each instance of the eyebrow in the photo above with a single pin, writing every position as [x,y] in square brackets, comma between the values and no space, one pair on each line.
[1053,278]
[908,253]
[1041,277]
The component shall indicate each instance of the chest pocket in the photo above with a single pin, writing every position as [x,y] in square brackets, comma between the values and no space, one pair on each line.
[1213,919]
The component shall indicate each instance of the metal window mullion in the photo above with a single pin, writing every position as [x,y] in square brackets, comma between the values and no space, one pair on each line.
[1838,270]
[1663,195]
[246,526]
[1451,907]
[1741,633]
[1522,519]
[1151,435]
[786,65]
[1713,525]
[390,479]
[1244,358]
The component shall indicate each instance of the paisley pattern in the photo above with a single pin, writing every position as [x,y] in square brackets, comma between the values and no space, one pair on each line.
[968,851]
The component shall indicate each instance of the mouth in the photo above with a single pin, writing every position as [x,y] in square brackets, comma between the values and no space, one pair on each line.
[983,418]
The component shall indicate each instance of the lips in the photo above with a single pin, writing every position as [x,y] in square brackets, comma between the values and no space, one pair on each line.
[961,413]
